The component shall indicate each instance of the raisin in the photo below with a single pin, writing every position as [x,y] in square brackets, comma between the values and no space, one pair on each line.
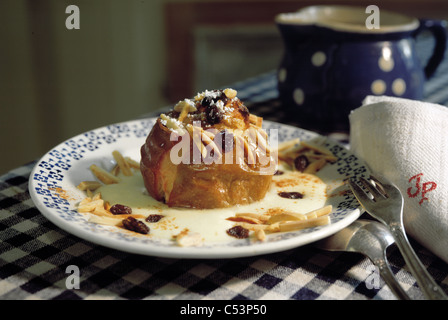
[301,162]
[213,114]
[154,218]
[120,209]
[135,225]
[238,232]
[224,98]
[291,195]
[209,100]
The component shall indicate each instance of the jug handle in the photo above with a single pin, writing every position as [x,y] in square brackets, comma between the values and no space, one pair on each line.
[439,32]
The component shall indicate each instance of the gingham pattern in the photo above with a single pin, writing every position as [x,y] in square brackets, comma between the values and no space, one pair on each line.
[35,254]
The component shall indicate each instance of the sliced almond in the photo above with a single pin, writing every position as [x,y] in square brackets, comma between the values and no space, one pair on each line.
[189,239]
[260,235]
[281,217]
[302,224]
[132,163]
[319,212]
[288,144]
[230,93]
[89,185]
[90,205]
[103,175]
[260,217]
[109,221]
[315,166]
[122,163]
[317,148]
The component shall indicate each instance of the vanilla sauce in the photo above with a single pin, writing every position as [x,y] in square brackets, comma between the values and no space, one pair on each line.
[212,224]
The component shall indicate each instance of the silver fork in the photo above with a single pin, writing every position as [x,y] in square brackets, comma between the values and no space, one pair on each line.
[384,202]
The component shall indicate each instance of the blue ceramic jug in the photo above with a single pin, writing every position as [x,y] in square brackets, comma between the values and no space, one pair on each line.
[332,61]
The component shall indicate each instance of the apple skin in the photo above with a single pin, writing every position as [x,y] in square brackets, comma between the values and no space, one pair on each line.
[201,186]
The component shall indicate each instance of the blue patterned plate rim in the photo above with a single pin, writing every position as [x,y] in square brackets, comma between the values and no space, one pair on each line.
[67,164]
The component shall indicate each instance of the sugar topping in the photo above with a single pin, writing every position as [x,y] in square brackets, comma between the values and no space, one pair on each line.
[209,107]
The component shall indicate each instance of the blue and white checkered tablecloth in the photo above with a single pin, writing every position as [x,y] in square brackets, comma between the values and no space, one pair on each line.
[34,253]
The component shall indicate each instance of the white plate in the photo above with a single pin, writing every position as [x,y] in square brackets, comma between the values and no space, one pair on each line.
[53,182]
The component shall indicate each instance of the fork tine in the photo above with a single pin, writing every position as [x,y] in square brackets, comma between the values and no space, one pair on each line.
[372,189]
[389,188]
[379,186]
[358,192]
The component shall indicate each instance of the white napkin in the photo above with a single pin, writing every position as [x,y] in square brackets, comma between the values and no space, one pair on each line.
[407,142]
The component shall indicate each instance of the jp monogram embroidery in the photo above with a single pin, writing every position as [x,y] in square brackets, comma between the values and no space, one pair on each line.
[419,188]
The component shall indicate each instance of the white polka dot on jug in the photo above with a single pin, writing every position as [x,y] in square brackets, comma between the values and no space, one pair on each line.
[386,64]
[398,86]
[299,96]
[318,59]
[282,75]
[378,87]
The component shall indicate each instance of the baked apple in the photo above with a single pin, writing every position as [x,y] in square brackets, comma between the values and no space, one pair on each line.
[208,152]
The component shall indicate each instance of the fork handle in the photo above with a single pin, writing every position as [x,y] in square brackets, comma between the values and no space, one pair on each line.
[389,278]
[391,281]
[426,283]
